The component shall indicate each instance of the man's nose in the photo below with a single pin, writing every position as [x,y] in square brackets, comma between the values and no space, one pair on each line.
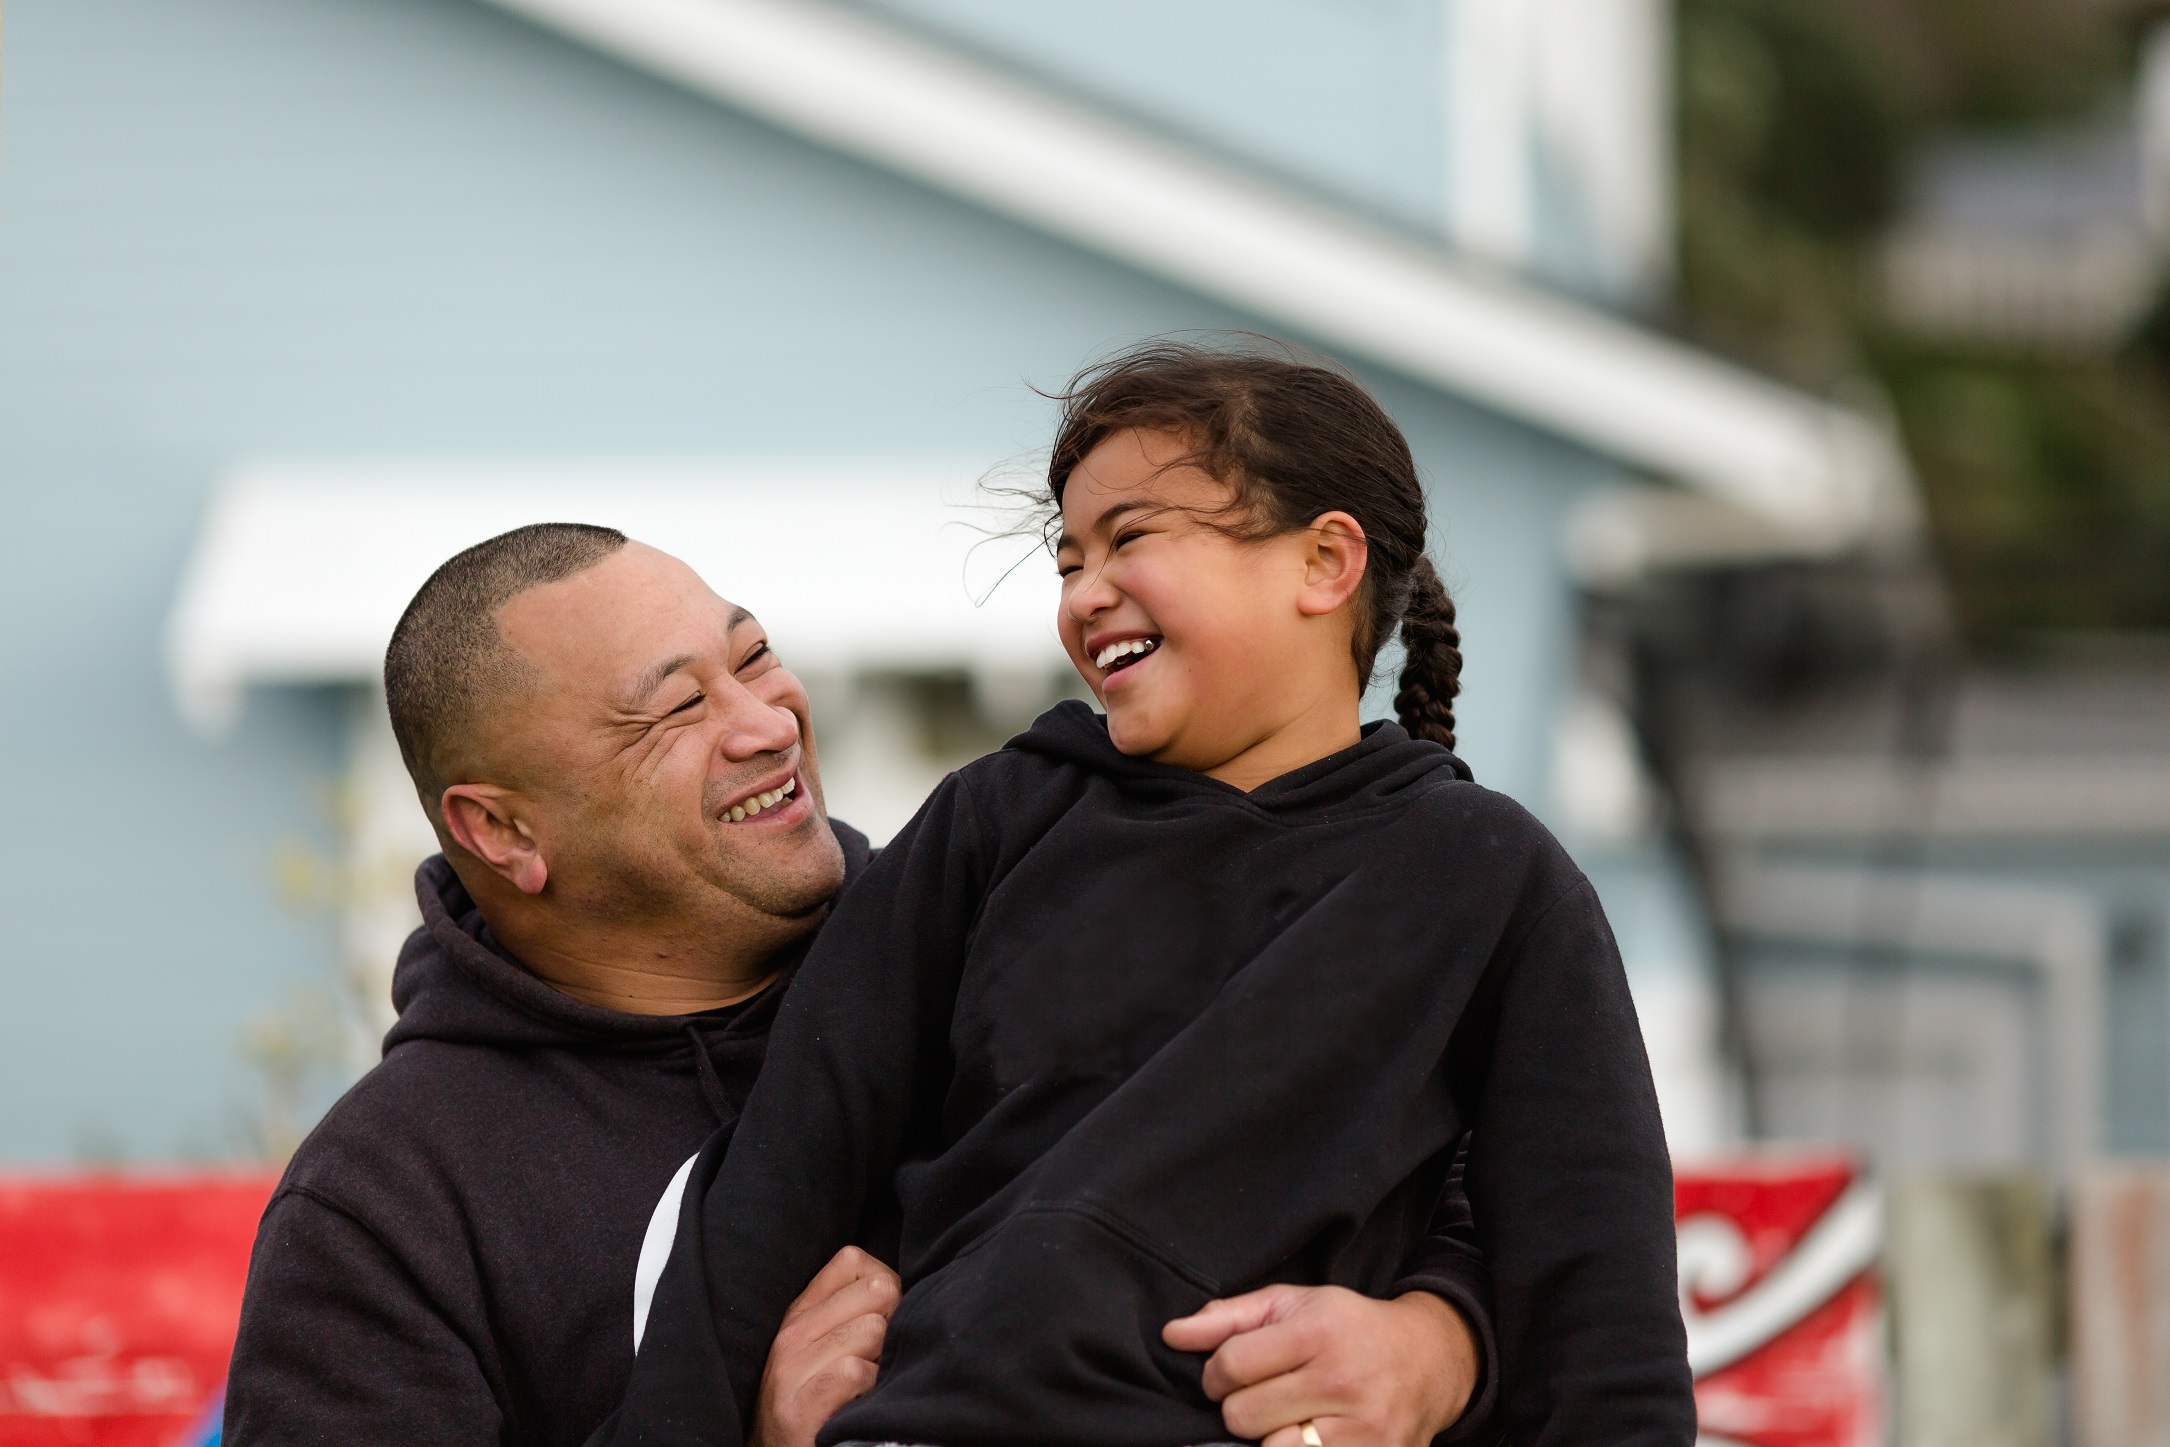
[753,726]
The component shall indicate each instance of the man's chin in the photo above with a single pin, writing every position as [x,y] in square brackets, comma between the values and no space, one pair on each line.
[790,874]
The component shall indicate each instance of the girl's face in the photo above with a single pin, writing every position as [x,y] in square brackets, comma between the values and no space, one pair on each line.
[1204,649]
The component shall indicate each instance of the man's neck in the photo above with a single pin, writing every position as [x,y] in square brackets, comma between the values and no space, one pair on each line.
[654,972]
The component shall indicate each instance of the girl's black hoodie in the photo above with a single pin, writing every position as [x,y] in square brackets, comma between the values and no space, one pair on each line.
[1097,1039]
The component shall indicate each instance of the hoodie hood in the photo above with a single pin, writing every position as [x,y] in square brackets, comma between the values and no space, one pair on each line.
[1382,763]
[454,982]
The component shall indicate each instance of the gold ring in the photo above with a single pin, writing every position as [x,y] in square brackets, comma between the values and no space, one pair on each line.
[1310,1435]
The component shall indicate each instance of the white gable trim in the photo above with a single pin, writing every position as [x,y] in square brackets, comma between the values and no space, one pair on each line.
[301,568]
[870,90]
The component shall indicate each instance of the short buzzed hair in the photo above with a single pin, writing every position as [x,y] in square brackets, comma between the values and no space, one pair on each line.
[447,659]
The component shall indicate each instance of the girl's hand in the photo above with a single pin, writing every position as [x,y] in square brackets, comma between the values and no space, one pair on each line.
[1365,1373]
[826,1350]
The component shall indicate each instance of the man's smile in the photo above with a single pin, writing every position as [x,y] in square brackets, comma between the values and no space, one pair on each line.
[778,803]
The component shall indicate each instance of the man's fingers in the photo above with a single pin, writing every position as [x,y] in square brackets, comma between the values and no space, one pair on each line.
[846,1267]
[826,1351]
[860,1337]
[1334,1431]
[1205,1329]
[813,1318]
[862,1299]
[807,1382]
[1257,1356]
[825,1392]
[1282,1402]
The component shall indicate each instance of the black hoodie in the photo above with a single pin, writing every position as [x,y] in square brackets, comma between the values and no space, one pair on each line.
[1097,1039]
[450,1256]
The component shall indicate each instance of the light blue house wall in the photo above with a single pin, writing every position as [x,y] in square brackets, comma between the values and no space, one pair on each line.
[232,228]
[1345,98]
[1350,100]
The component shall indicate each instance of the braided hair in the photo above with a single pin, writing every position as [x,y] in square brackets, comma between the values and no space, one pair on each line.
[1292,439]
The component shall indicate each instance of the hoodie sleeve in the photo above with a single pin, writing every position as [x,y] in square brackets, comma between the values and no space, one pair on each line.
[338,1344]
[1449,1263]
[1571,1188]
[860,1041]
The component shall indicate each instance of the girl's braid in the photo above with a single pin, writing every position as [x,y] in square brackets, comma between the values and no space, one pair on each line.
[1433,674]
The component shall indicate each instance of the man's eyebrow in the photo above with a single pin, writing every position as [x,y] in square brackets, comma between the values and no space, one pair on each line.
[653,680]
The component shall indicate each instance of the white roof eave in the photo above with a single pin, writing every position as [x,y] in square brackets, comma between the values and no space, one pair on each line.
[300,570]
[863,87]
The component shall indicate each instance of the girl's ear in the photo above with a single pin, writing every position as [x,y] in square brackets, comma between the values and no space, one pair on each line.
[1334,557]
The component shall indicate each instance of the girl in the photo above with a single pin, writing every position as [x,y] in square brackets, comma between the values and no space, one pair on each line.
[1203,994]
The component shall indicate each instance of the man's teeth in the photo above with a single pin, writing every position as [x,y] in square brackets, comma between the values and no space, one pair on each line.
[1123,649]
[769,800]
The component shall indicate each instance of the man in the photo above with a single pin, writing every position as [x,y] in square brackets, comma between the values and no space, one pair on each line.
[636,855]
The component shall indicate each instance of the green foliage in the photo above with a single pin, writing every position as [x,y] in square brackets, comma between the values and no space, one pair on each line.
[2047,477]
[2008,62]
[1788,165]
[2049,484]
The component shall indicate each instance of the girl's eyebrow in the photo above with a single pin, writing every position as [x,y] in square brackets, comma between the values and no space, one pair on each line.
[1108,519]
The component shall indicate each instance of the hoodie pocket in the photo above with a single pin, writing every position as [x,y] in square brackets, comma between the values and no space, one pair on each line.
[1047,1330]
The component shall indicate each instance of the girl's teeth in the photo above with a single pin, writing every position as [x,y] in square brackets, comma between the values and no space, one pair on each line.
[1123,649]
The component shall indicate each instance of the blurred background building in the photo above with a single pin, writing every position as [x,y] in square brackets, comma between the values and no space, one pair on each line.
[1791,377]
[301,298]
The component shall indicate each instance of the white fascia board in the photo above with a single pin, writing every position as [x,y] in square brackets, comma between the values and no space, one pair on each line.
[301,569]
[870,90]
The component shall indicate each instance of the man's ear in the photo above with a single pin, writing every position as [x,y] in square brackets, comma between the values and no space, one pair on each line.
[1334,557]
[481,819]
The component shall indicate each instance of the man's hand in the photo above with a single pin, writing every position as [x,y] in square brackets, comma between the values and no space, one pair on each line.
[1367,1373]
[826,1350]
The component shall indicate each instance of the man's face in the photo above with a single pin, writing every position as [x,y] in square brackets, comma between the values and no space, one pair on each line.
[665,749]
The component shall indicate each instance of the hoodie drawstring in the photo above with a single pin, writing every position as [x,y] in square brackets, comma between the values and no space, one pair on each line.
[711,1083]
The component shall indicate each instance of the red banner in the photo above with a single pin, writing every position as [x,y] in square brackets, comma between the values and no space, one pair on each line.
[118,1300]
[1783,1302]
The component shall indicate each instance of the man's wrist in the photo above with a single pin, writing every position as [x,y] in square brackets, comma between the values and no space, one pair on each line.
[1445,1323]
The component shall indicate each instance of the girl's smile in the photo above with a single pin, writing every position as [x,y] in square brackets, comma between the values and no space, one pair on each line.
[1113,657]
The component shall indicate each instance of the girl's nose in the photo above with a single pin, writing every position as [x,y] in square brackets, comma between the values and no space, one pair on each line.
[1091,594]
